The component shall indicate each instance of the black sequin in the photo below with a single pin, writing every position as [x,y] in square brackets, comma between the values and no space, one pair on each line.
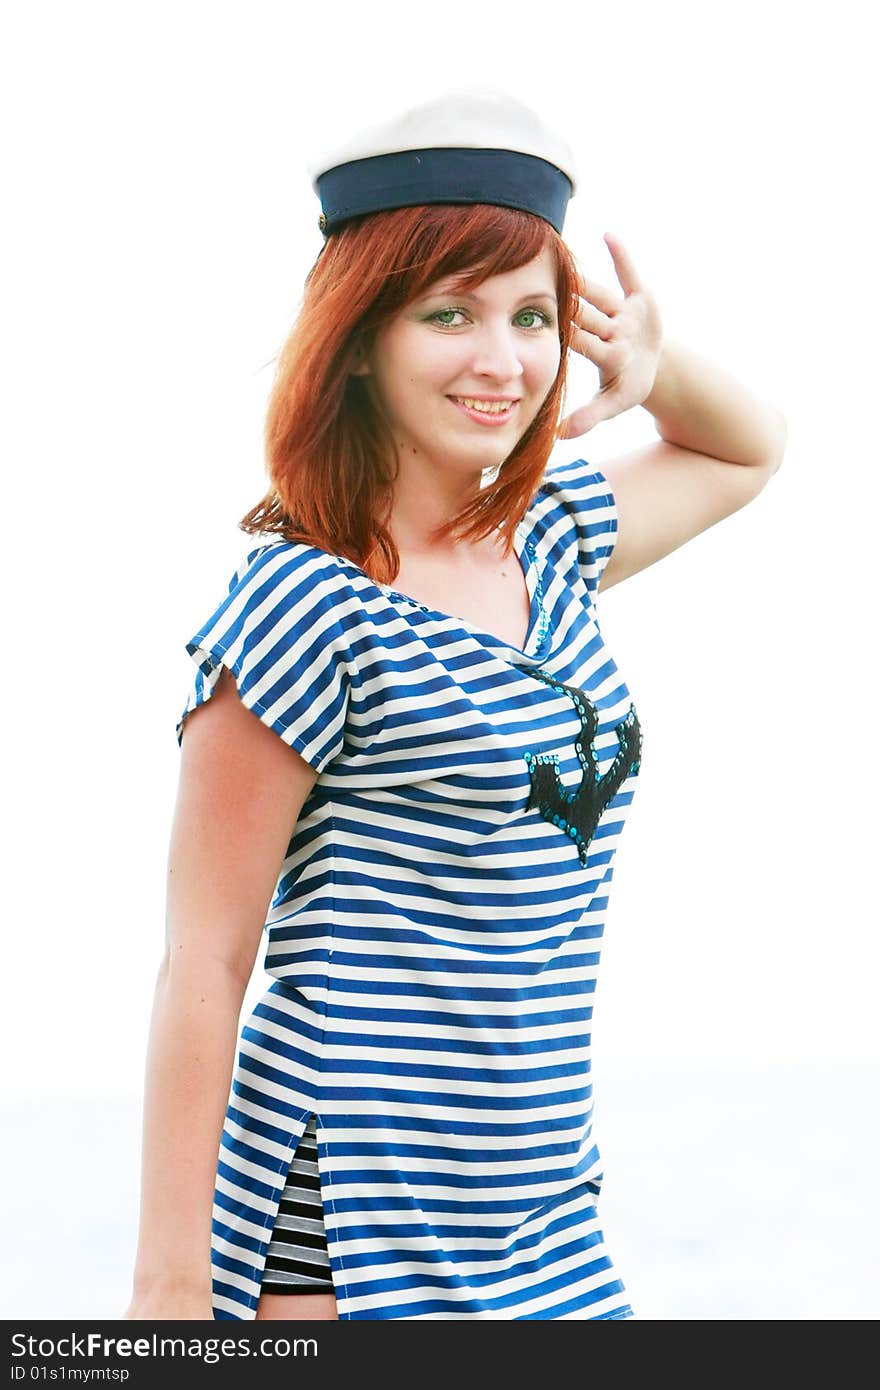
[578,812]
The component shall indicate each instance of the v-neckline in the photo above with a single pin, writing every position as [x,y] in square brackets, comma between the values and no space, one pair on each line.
[538,624]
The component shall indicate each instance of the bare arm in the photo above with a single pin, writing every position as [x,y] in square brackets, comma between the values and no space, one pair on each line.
[240,794]
[719,445]
[189,1065]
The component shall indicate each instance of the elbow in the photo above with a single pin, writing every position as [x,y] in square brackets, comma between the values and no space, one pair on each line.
[194,968]
[777,453]
[770,458]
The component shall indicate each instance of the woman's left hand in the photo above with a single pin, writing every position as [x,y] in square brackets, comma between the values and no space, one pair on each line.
[623,337]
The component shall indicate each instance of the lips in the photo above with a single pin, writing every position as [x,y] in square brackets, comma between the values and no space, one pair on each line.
[495,416]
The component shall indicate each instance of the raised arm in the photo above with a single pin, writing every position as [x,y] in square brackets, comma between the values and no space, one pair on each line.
[240,793]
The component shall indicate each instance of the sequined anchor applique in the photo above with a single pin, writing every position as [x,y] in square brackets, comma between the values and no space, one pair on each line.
[578,812]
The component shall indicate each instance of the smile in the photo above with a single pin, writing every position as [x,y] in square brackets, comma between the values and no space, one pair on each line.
[485,412]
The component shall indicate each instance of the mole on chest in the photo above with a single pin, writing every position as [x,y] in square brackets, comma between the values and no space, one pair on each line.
[496,602]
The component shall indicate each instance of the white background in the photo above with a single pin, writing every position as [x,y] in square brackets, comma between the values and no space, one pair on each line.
[159,226]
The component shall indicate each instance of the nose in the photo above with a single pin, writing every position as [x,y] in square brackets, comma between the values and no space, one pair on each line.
[496,353]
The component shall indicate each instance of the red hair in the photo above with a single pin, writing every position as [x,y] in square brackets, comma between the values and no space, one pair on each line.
[329,453]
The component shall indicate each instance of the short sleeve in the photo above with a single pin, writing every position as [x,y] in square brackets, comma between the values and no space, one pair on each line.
[587,516]
[281,632]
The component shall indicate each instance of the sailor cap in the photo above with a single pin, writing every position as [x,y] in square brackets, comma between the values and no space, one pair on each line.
[462,147]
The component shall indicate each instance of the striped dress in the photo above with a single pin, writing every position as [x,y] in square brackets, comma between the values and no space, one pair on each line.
[434,936]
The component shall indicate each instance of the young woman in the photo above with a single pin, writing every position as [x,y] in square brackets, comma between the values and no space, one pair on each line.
[409,756]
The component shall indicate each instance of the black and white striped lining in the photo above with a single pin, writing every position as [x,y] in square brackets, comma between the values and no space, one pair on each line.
[297,1259]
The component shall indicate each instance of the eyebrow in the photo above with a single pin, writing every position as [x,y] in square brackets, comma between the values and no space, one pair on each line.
[468,294]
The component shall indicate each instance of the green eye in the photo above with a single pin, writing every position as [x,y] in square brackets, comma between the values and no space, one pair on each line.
[443,318]
[445,323]
[536,314]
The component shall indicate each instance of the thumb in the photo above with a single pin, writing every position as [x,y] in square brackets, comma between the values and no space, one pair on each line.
[580,422]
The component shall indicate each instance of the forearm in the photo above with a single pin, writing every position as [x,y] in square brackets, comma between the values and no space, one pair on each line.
[698,405]
[190,1057]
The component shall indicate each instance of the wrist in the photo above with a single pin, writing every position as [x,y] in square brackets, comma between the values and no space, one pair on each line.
[187,1283]
[661,397]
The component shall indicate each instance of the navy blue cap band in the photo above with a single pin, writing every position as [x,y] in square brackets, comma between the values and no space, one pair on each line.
[410,178]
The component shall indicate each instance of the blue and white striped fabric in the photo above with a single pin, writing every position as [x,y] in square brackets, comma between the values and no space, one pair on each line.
[435,932]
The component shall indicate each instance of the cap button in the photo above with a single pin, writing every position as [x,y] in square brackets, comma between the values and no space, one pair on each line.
[322,222]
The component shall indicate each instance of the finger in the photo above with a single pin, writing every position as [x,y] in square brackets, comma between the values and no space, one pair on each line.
[623,264]
[594,320]
[591,346]
[603,298]
[604,406]
[576,424]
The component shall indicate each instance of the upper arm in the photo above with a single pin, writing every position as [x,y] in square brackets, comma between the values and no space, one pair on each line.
[665,495]
[240,793]
[266,714]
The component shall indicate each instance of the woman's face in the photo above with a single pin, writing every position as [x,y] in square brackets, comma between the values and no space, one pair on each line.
[449,362]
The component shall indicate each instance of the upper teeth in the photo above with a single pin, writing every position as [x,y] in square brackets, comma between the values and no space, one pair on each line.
[493,407]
